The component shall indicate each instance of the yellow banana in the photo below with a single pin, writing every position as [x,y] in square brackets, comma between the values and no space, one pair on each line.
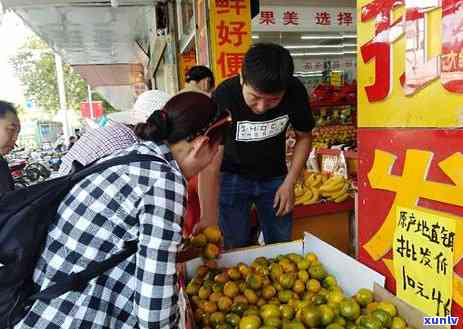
[341,198]
[307,196]
[315,197]
[343,190]
[331,188]
[335,179]
[317,181]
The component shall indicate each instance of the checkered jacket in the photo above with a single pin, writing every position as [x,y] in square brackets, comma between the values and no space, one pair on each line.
[96,144]
[143,201]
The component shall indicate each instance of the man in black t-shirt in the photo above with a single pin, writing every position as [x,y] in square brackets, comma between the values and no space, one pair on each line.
[9,130]
[251,167]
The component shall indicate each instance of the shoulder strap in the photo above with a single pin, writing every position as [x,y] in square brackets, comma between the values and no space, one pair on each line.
[77,281]
[129,158]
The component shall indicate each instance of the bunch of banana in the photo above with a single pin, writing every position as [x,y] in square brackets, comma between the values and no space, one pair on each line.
[306,192]
[335,189]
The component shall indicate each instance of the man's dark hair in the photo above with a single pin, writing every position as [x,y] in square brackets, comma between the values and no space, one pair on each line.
[6,107]
[267,67]
[199,72]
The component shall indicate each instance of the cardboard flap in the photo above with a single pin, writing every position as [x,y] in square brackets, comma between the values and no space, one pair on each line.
[350,273]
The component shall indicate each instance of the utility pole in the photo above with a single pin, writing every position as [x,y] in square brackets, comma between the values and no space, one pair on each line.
[62,98]
[90,102]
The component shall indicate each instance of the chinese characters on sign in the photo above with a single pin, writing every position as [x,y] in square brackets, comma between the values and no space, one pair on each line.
[279,18]
[231,35]
[187,60]
[423,250]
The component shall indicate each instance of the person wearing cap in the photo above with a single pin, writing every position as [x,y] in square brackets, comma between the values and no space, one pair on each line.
[251,166]
[139,201]
[100,142]
[199,78]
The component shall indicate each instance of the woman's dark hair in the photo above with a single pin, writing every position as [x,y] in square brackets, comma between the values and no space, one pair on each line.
[267,67]
[6,107]
[183,117]
[199,72]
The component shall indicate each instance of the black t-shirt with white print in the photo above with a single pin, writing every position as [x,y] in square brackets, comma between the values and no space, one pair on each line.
[255,144]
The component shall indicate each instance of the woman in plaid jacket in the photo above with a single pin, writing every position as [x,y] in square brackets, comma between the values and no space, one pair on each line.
[143,201]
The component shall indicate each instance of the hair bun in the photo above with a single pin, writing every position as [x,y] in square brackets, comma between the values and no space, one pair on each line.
[161,121]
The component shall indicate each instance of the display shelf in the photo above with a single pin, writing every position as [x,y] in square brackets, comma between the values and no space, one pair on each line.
[322,208]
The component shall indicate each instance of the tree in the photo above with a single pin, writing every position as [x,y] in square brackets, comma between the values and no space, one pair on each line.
[35,66]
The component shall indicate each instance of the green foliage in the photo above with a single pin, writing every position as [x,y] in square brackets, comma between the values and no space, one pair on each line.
[34,64]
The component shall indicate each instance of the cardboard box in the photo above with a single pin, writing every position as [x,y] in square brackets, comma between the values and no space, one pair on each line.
[351,274]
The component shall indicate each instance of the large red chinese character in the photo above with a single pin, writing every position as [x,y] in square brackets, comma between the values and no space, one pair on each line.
[381,52]
[267,17]
[379,48]
[323,18]
[234,29]
[345,18]
[230,63]
[224,6]
[290,17]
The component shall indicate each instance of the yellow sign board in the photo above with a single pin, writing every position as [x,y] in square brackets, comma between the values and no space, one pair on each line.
[230,31]
[423,254]
[187,61]
[410,64]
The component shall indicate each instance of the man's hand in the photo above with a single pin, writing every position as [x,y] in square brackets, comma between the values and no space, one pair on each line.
[284,199]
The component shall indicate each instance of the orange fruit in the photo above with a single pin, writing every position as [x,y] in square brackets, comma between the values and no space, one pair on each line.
[233,273]
[349,309]
[215,297]
[204,292]
[364,297]
[398,323]
[313,286]
[311,257]
[224,303]
[317,272]
[230,289]
[326,314]
[251,296]
[217,318]
[298,287]
[199,240]
[254,281]
[287,280]
[212,234]
[250,322]
[211,251]
[244,269]
[270,310]
[209,307]
[268,292]
[303,276]
[388,307]
[202,270]
[311,316]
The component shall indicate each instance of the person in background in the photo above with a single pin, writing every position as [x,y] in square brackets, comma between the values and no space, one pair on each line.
[251,166]
[199,78]
[142,201]
[9,130]
[77,133]
[72,141]
[100,142]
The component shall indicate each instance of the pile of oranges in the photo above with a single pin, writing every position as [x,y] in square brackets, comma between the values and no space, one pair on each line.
[286,292]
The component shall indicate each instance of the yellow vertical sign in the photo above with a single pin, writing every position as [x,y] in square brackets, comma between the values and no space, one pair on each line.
[423,260]
[187,60]
[230,31]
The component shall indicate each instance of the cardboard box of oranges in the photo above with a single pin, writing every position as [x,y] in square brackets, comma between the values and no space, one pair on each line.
[295,285]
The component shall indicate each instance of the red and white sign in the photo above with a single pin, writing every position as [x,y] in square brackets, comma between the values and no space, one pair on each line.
[93,112]
[279,18]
